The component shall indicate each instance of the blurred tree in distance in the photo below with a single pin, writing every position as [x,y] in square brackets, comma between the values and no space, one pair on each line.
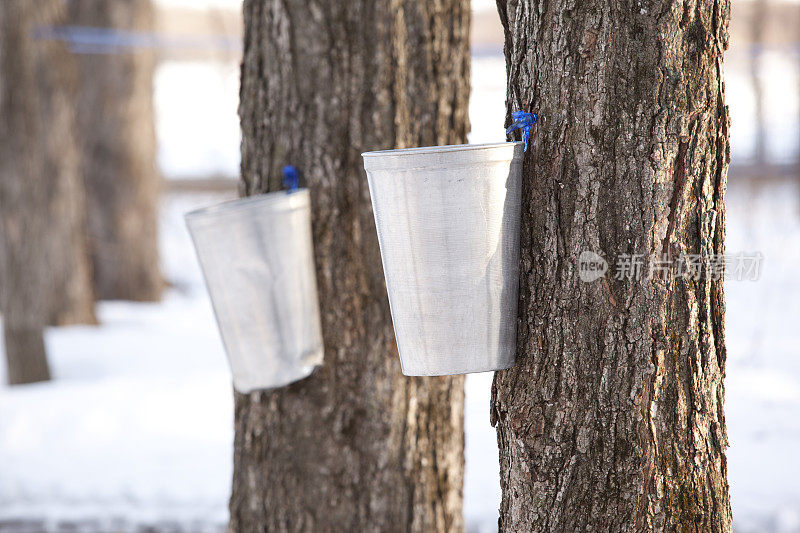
[44,268]
[116,132]
[758,27]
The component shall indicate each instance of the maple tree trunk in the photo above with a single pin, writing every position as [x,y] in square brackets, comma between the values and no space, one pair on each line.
[118,142]
[612,419]
[356,446]
[44,268]
[758,28]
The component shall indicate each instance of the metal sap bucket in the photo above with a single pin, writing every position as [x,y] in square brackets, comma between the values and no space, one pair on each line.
[257,260]
[448,227]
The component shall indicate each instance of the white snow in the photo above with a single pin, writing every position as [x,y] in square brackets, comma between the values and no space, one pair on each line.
[136,427]
[763,340]
[196,118]
[201,4]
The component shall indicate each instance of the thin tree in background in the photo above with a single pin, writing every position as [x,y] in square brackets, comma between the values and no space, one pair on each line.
[116,131]
[758,25]
[44,267]
[612,419]
[356,446]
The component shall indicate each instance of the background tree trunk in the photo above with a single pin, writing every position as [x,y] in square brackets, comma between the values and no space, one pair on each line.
[44,268]
[118,141]
[612,419]
[758,29]
[356,446]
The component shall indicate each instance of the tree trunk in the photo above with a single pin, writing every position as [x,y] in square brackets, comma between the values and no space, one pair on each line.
[117,134]
[44,270]
[26,357]
[356,446]
[758,28]
[612,419]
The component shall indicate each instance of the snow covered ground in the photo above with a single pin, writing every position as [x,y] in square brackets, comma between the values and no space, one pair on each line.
[136,427]
[763,378]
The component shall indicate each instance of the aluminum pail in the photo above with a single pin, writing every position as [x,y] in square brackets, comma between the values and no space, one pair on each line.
[257,260]
[448,226]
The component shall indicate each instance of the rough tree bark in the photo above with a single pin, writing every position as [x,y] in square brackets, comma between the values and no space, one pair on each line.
[118,142]
[356,446]
[612,419]
[44,268]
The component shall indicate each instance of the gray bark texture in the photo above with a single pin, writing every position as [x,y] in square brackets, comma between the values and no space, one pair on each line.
[44,268]
[356,446]
[612,419]
[116,131]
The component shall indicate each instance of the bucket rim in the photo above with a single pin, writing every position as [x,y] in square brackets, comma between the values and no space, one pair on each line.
[282,200]
[441,149]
